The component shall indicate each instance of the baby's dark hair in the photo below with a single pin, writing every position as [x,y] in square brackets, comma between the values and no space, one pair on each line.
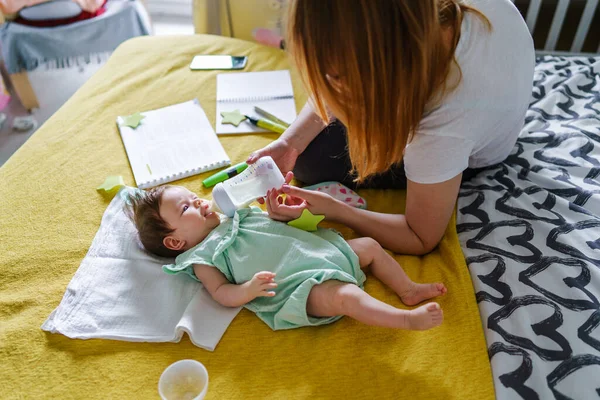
[144,211]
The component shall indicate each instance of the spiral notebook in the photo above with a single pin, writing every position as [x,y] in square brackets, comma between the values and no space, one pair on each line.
[271,91]
[172,143]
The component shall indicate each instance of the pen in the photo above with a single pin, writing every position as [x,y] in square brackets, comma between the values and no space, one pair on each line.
[270,116]
[266,124]
[225,174]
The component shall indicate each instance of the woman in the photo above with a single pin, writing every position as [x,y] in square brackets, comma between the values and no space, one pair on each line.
[420,94]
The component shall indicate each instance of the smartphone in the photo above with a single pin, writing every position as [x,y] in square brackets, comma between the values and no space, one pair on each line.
[218,62]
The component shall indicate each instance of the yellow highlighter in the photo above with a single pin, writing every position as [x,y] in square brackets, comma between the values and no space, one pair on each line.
[266,124]
[270,116]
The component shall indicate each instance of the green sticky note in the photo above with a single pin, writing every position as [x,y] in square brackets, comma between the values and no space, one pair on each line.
[232,117]
[307,221]
[133,120]
[111,183]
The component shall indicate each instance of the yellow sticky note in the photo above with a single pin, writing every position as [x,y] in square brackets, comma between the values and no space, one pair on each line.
[133,120]
[111,183]
[307,221]
[232,117]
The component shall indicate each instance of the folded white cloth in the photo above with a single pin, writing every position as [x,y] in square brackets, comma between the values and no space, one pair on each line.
[120,292]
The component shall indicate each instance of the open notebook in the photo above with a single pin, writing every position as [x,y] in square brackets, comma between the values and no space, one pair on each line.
[172,143]
[271,91]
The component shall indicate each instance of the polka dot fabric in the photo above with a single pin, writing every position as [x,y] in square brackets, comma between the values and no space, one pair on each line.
[340,192]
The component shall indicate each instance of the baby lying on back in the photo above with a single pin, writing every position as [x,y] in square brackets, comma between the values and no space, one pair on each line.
[288,277]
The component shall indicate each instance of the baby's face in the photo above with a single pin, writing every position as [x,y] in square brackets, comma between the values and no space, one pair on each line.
[187,215]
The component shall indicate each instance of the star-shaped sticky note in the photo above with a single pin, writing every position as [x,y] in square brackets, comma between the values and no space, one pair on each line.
[307,221]
[232,117]
[111,183]
[133,120]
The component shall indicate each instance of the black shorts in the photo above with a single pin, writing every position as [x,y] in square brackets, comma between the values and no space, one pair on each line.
[326,159]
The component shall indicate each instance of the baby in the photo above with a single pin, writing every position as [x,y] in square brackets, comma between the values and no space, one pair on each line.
[288,277]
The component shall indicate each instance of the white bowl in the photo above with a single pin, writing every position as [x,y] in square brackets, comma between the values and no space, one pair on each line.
[183,380]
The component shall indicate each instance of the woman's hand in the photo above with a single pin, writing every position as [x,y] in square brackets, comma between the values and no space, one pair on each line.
[284,211]
[297,200]
[288,178]
[284,154]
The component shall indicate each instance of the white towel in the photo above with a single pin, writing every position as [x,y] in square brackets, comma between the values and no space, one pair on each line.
[120,292]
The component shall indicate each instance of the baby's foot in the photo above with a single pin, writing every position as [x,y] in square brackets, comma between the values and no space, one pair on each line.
[419,292]
[425,317]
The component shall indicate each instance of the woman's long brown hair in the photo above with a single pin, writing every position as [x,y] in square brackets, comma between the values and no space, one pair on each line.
[377,65]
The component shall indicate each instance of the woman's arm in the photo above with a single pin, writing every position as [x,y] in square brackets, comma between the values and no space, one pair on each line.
[304,129]
[428,211]
[293,141]
[232,295]
[419,230]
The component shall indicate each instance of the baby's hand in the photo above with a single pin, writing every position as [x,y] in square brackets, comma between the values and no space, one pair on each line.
[260,284]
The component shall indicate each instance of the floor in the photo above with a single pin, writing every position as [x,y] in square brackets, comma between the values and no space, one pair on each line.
[11,140]
[55,92]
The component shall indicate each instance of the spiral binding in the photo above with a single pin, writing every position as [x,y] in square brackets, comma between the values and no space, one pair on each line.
[182,174]
[254,98]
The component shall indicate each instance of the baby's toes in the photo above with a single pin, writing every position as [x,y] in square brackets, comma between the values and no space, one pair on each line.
[441,288]
[433,307]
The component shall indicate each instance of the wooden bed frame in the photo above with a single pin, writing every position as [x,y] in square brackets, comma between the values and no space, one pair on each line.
[562,27]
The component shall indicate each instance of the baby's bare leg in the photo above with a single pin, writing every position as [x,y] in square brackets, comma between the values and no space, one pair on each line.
[334,298]
[386,269]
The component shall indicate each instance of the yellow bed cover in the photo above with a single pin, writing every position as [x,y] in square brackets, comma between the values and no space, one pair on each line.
[50,214]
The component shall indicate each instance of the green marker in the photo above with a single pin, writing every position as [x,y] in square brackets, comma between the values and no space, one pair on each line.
[225,174]
[266,124]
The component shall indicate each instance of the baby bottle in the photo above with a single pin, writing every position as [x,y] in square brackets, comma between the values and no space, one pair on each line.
[243,189]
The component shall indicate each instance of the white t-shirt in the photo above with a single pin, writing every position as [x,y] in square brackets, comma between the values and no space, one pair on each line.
[477,124]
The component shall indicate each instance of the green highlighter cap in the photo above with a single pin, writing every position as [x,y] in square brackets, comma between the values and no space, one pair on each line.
[225,174]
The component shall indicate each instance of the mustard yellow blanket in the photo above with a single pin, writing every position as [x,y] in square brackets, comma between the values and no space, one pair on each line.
[50,212]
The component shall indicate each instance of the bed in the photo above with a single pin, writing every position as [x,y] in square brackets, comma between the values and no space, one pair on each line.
[530,231]
[51,212]
[529,227]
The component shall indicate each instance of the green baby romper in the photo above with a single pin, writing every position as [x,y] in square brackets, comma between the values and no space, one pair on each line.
[251,242]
